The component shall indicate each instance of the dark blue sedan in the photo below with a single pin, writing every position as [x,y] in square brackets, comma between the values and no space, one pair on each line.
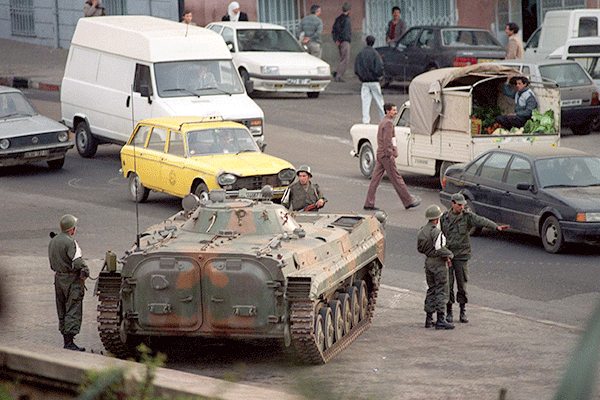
[549,192]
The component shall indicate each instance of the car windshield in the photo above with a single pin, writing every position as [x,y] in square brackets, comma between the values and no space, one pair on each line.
[204,142]
[568,171]
[267,40]
[197,78]
[14,104]
[470,38]
[566,75]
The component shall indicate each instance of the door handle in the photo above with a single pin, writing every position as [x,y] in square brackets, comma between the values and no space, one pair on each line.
[127,102]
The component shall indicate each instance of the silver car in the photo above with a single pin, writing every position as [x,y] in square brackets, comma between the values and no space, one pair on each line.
[580,106]
[26,136]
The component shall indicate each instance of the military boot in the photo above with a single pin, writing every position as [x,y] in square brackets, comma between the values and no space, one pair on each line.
[463,314]
[449,316]
[70,345]
[441,322]
[429,320]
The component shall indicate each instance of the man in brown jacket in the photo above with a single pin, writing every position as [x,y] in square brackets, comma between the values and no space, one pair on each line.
[514,49]
[386,162]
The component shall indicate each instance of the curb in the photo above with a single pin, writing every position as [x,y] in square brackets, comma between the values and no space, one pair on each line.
[27,83]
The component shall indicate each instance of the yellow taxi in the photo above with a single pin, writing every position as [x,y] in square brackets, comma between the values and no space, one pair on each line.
[181,155]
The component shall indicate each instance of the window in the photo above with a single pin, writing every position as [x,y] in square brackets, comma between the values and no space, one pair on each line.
[142,78]
[426,38]
[141,135]
[404,119]
[228,35]
[22,17]
[410,37]
[176,146]
[566,75]
[588,26]
[157,139]
[494,166]
[519,172]
[475,166]
[534,40]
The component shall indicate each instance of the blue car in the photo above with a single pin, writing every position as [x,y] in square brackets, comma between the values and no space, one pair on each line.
[548,192]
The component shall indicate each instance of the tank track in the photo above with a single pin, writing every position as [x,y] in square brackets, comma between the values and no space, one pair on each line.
[302,322]
[109,286]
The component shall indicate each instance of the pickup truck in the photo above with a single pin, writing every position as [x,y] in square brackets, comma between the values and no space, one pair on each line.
[440,131]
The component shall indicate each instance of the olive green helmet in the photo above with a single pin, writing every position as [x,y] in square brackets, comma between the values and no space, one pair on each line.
[433,212]
[67,222]
[304,168]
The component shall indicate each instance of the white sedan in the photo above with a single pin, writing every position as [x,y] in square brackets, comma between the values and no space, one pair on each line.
[272,59]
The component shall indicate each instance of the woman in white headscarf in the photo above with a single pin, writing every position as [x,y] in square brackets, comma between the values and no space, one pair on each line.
[234,14]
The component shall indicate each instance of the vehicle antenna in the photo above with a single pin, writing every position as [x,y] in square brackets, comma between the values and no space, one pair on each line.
[137,216]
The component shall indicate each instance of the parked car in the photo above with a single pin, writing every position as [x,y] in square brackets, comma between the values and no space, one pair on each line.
[272,59]
[423,48]
[584,50]
[549,192]
[26,136]
[181,155]
[580,106]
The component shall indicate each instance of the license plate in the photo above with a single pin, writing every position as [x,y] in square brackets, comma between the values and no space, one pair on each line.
[37,153]
[484,60]
[253,194]
[573,102]
[298,81]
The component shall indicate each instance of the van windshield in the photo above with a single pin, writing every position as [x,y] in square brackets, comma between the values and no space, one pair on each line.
[197,78]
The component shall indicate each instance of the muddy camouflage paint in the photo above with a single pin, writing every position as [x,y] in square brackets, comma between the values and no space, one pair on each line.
[247,269]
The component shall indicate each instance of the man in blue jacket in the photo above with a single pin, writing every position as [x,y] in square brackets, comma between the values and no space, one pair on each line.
[368,66]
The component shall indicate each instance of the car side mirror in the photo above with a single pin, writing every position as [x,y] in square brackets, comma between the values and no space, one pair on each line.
[145,92]
[400,47]
[249,86]
[230,47]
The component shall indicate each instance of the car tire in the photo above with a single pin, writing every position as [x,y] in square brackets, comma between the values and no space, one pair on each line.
[476,230]
[443,167]
[582,129]
[56,164]
[86,143]
[201,190]
[139,193]
[366,158]
[245,78]
[552,237]
[312,95]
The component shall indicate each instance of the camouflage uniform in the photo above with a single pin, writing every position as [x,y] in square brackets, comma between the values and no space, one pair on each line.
[67,263]
[456,227]
[297,196]
[430,241]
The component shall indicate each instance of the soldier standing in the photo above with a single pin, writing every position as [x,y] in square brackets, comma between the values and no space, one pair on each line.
[456,224]
[69,280]
[432,243]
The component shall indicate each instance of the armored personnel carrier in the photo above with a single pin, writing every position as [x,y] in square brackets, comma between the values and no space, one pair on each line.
[248,269]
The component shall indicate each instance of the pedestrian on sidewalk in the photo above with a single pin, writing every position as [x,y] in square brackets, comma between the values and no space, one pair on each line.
[234,13]
[71,271]
[432,243]
[456,224]
[386,162]
[310,29]
[396,27]
[342,36]
[368,66]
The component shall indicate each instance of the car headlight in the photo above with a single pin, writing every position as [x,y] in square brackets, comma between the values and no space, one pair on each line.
[588,217]
[226,179]
[286,176]
[323,70]
[269,70]
[63,136]
[4,144]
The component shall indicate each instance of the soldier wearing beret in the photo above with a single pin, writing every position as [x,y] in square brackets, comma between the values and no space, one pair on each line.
[456,224]
[70,273]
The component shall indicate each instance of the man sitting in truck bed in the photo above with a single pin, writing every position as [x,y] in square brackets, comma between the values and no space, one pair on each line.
[525,103]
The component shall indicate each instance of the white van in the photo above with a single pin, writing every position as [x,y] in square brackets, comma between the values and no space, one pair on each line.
[123,69]
[586,51]
[558,27]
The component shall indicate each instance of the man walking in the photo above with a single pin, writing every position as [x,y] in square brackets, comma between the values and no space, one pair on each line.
[514,48]
[386,162]
[368,66]
[342,36]
[432,243]
[69,280]
[456,224]
[312,27]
